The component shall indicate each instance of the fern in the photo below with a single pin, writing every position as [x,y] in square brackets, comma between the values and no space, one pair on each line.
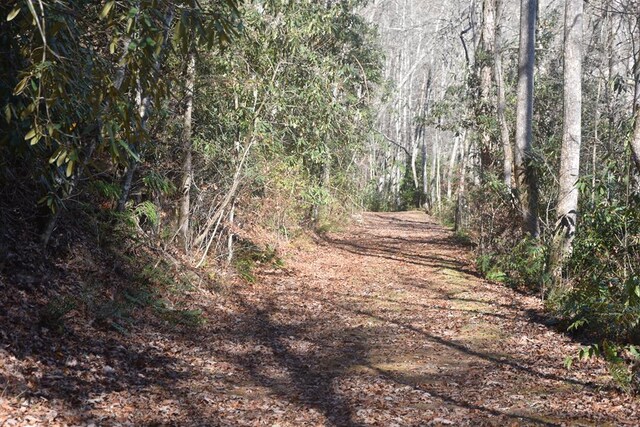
[149,211]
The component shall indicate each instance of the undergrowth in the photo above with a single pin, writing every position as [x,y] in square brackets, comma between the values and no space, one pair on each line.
[600,298]
[248,256]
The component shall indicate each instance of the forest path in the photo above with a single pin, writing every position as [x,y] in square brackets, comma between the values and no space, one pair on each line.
[387,324]
[384,324]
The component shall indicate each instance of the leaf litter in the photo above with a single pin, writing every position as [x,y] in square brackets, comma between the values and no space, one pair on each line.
[383,324]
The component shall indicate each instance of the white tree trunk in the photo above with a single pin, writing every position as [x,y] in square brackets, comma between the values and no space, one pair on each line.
[507,170]
[438,176]
[452,164]
[486,47]
[425,173]
[567,208]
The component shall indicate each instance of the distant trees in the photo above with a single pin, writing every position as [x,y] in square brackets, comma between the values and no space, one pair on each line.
[529,216]
[405,166]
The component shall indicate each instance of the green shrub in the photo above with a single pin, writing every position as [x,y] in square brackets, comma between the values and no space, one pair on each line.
[52,315]
[524,266]
[248,256]
[527,264]
[605,293]
[623,362]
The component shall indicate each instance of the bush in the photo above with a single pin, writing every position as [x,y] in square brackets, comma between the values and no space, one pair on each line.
[605,295]
[523,266]
[248,256]
[53,314]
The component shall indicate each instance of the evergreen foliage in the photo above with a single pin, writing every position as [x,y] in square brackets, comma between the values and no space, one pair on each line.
[93,96]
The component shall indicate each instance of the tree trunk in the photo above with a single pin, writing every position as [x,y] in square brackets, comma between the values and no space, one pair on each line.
[434,163]
[230,237]
[418,133]
[635,141]
[526,178]
[414,169]
[127,183]
[461,204]
[452,164]
[425,173]
[187,166]
[422,138]
[594,147]
[487,47]
[567,208]
[438,177]
[322,212]
[502,102]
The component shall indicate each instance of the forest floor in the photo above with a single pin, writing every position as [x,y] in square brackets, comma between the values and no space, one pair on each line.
[383,324]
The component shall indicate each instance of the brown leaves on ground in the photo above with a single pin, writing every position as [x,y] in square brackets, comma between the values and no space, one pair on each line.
[385,324]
